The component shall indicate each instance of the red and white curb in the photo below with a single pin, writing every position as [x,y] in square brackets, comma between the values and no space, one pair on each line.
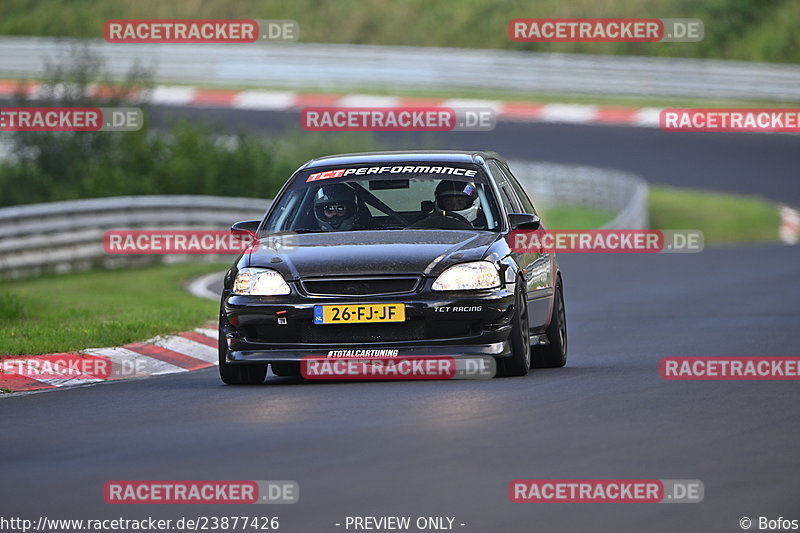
[190,350]
[293,101]
[266,100]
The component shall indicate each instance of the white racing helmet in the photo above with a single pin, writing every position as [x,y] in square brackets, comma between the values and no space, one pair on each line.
[460,197]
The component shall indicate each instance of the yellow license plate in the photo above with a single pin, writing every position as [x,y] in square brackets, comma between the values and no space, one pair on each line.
[358,313]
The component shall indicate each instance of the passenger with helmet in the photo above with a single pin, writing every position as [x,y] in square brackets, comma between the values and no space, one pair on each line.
[336,207]
[461,198]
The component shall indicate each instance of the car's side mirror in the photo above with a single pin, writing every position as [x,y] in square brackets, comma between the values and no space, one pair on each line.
[245,227]
[523,221]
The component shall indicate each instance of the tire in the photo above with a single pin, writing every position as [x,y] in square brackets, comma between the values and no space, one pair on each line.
[554,354]
[287,369]
[238,373]
[520,360]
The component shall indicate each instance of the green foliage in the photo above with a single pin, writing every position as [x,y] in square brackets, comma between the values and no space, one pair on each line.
[179,158]
[187,158]
[754,30]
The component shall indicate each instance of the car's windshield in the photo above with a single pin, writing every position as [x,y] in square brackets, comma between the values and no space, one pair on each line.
[385,197]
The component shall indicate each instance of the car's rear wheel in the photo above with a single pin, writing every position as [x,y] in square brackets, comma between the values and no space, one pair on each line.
[286,369]
[520,360]
[554,354]
[239,373]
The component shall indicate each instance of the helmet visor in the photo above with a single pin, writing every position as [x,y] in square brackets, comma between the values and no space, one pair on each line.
[454,202]
[334,211]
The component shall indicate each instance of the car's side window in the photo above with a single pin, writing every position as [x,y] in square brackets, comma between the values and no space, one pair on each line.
[521,194]
[514,206]
[510,202]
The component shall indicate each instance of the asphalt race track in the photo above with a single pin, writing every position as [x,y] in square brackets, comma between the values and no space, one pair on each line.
[451,448]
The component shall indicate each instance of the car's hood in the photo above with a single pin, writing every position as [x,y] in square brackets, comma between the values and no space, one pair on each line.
[358,253]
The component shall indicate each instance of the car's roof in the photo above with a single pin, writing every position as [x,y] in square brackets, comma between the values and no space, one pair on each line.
[449,156]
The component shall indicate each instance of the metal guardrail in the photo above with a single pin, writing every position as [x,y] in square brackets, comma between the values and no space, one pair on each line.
[619,192]
[65,236]
[339,66]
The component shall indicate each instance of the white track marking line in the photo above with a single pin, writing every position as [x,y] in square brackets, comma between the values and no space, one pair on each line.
[199,286]
[264,100]
[189,347]
[367,100]
[647,116]
[167,94]
[208,332]
[573,113]
[462,103]
[789,231]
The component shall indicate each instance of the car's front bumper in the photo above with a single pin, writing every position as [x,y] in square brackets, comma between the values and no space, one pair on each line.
[498,349]
[280,329]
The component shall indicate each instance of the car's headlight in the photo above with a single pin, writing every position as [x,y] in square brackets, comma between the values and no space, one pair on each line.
[259,282]
[468,276]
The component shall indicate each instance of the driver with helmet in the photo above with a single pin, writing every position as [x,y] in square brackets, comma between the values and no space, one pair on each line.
[461,198]
[336,207]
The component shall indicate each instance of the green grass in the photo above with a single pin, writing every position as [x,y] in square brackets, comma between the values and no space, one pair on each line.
[723,218]
[11,307]
[574,217]
[102,308]
[734,29]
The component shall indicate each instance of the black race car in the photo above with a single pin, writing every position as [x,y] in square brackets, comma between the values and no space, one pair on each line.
[399,253]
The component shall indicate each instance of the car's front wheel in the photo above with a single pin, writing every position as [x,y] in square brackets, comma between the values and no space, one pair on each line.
[554,354]
[520,360]
[239,374]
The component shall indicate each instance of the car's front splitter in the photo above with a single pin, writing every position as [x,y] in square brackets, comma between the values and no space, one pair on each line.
[498,349]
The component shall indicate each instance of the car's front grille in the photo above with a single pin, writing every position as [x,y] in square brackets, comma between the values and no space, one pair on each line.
[363,286]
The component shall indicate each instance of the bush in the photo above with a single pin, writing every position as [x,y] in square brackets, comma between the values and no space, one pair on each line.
[179,158]
[750,30]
